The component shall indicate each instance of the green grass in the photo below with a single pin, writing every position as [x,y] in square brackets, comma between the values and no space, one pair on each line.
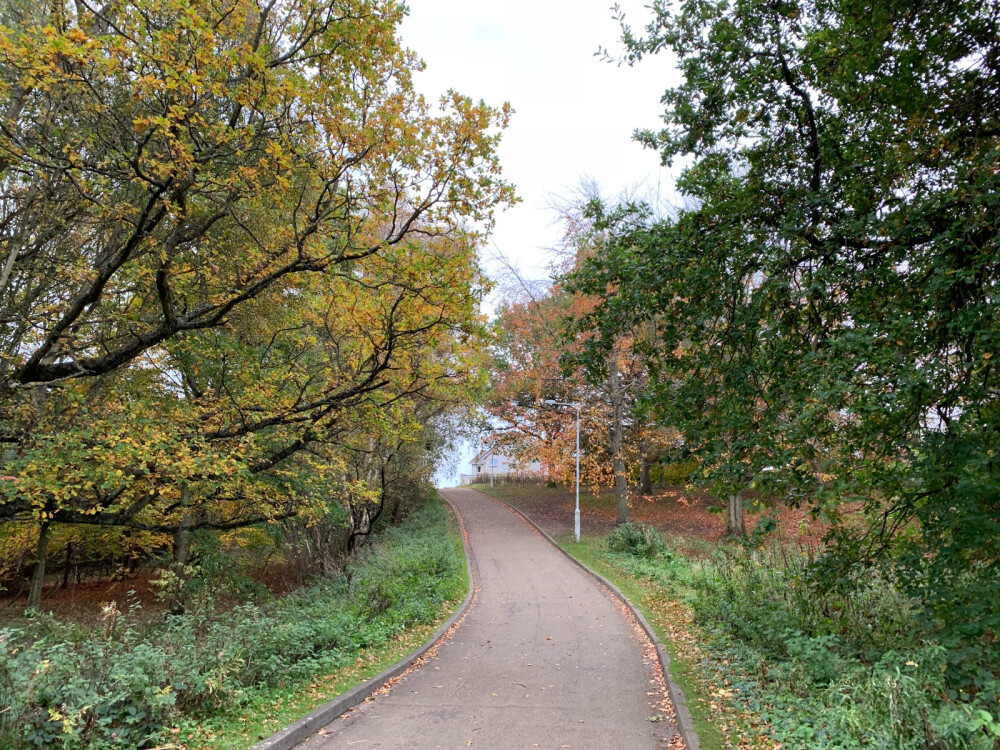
[270,709]
[226,680]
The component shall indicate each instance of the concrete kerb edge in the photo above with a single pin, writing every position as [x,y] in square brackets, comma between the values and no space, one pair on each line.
[304,728]
[685,724]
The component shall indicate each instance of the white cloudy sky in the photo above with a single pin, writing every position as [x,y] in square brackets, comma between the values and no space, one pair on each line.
[574,113]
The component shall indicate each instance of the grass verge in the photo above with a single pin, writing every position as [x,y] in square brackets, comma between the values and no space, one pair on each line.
[269,710]
[226,680]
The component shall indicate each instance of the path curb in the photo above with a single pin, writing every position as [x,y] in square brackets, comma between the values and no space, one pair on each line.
[304,728]
[685,724]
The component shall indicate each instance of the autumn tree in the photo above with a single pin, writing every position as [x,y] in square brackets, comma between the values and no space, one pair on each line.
[224,228]
[537,360]
[525,373]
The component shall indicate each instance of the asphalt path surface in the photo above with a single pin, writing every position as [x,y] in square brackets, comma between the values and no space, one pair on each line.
[545,658]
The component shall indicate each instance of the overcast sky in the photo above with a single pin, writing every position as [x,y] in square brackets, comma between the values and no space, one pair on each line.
[574,113]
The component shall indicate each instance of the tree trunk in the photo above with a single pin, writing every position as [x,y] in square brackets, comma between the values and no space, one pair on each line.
[181,552]
[645,484]
[38,575]
[617,438]
[182,537]
[39,397]
[360,526]
[67,565]
[182,540]
[735,523]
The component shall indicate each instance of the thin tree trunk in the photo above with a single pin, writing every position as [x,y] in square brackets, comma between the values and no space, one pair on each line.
[182,537]
[39,397]
[38,575]
[617,439]
[66,565]
[181,553]
[735,522]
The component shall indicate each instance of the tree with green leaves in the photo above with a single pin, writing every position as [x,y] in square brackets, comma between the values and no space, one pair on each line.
[831,295]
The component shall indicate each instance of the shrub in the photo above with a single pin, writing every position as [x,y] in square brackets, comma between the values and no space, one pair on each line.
[110,690]
[840,668]
[121,687]
[638,540]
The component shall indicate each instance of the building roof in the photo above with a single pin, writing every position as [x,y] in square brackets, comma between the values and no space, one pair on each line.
[481,457]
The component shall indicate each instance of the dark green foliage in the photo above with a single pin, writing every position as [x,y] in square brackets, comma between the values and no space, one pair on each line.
[823,319]
[120,686]
[673,474]
[637,539]
[837,669]
[767,597]
[824,669]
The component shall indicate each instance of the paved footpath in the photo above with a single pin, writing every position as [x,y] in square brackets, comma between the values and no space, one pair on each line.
[544,659]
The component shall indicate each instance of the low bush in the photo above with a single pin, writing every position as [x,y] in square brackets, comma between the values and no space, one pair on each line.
[838,669]
[638,540]
[122,686]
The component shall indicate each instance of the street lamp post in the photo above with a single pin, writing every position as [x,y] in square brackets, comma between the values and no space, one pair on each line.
[576,513]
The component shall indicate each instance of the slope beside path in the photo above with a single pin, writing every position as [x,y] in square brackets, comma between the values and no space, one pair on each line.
[544,658]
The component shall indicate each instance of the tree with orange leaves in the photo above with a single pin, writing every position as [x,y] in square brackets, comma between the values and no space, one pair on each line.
[538,359]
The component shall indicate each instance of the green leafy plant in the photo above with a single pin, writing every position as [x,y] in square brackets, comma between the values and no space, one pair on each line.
[123,685]
[638,540]
[824,667]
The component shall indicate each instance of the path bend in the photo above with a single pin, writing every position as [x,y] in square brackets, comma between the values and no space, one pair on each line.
[545,658]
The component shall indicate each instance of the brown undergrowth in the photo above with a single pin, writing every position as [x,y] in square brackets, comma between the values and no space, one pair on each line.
[690,518]
[83,602]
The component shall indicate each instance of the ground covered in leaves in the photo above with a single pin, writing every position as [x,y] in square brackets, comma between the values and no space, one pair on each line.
[688,517]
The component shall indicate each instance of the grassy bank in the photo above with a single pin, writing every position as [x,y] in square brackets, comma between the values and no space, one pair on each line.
[768,659]
[226,679]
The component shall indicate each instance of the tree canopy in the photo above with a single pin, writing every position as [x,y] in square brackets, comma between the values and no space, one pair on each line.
[826,310]
[234,239]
